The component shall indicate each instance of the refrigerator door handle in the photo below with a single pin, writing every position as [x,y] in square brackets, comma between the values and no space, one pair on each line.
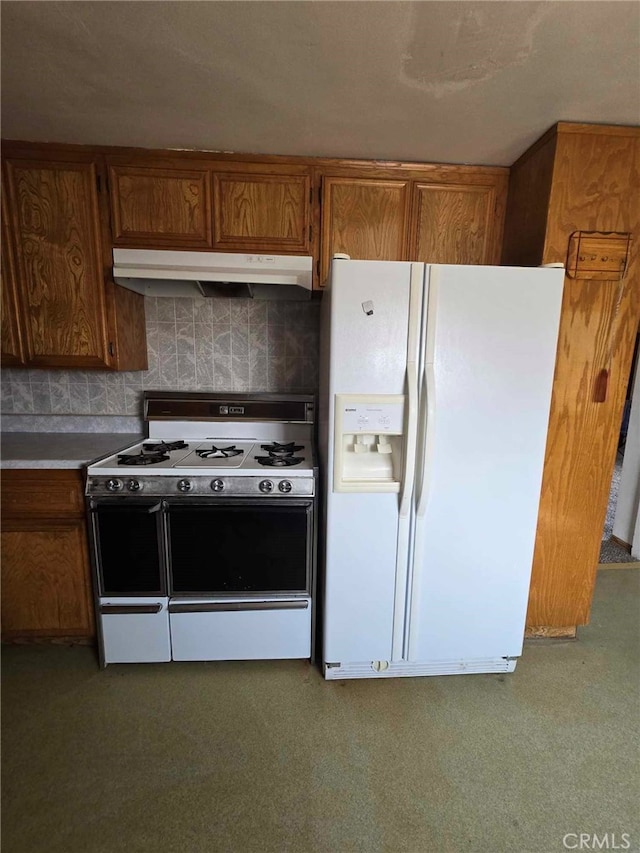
[403,554]
[408,474]
[429,417]
[428,409]
[413,343]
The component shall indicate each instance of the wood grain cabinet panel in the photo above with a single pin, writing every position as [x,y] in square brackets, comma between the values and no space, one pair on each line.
[578,178]
[56,228]
[46,582]
[452,224]
[64,308]
[12,352]
[364,217]
[262,213]
[162,208]
[30,492]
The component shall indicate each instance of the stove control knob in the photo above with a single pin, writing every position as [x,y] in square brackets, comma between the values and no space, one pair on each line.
[217,485]
[134,485]
[113,485]
[266,486]
[284,486]
[184,485]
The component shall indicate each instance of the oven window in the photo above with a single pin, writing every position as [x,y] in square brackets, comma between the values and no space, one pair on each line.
[226,549]
[128,547]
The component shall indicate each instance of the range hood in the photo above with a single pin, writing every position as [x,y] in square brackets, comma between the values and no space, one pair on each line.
[166,273]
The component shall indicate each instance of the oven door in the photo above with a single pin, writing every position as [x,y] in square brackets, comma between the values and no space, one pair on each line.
[251,548]
[127,536]
[239,578]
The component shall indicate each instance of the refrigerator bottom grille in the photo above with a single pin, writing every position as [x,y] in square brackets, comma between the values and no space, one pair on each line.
[399,669]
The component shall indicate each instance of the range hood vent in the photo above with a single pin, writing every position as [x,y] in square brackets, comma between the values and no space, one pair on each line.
[165,273]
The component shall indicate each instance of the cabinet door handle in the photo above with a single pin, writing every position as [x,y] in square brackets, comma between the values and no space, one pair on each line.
[130,608]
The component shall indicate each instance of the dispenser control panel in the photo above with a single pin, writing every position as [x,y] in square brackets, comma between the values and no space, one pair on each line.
[373,417]
[368,446]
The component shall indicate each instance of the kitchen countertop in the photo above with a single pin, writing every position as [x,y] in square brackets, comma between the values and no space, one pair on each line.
[60,449]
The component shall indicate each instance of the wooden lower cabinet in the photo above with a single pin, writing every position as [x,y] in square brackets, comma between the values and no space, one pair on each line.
[46,582]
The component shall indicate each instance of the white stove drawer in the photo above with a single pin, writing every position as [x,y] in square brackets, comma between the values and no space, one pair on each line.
[135,630]
[240,629]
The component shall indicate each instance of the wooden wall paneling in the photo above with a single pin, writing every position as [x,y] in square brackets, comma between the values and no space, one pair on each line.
[452,224]
[162,208]
[596,187]
[57,232]
[528,205]
[595,183]
[366,218]
[262,212]
[12,351]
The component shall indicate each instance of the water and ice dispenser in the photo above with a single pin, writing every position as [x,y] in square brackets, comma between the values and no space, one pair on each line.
[368,443]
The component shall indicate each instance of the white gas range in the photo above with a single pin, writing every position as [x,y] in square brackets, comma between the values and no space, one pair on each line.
[203,535]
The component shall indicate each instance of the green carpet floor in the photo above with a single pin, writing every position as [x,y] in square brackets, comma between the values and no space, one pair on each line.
[267,756]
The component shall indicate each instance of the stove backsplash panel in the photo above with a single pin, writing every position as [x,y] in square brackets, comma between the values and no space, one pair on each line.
[212,344]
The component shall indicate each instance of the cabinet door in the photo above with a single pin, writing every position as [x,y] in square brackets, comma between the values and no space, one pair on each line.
[262,213]
[165,208]
[12,350]
[452,224]
[45,579]
[55,219]
[365,218]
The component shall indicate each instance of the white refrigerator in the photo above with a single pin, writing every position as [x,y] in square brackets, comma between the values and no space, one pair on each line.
[435,390]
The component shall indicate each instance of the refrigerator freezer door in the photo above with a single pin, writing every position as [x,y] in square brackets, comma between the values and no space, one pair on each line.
[488,371]
[369,333]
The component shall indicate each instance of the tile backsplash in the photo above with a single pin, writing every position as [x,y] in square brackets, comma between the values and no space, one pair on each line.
[196,344]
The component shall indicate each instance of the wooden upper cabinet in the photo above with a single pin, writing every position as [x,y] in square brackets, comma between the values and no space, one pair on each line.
[262,212]
[61,308]
[54,213]
[161,208]
[453,224]
[365,218]
[12,349]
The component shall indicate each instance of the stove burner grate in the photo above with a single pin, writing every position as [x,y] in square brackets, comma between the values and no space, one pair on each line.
[219,452]
[165,446]
[279,461]
[141,458]
[277,449]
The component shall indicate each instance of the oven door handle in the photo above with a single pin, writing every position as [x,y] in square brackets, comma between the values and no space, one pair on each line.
[233,606]
[130,608]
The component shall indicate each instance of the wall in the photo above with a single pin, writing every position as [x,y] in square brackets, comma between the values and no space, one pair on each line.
[628,504]
[193,344]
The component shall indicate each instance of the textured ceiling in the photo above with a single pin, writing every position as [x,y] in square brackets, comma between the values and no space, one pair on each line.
[453,82]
